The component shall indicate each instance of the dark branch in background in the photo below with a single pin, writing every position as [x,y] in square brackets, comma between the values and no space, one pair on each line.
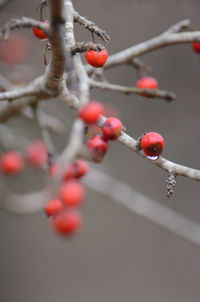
[51,122]
[140,67]
[40,120]
[91,26]
[3,3]
[139,64]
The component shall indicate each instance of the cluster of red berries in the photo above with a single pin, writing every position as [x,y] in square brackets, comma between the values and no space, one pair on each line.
[152,143]
[64,210]
[111,129]
[94,58]
[12,162]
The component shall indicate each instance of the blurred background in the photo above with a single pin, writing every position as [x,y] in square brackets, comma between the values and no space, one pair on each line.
[118,256]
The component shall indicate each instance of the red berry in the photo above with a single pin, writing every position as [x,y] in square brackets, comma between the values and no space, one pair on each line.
[11,163]
[39,33]
[91,112]
[16,50]
[67,222]
[112,128]
[37,154]
[96,58]
[196,47]
[98,147]
[152,143]
[53,207]
[77,169]
[147,83]
[72,193]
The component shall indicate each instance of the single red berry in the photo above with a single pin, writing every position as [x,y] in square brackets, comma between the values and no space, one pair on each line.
[112,128]
[96,58]
[147,83]
[72,193]
[67,222]
[152,144]
[16,50]
[98,147]
[53,207]
[11,163]
[77,169]
[91,112]
[196,47]
[37,154]
[39,33]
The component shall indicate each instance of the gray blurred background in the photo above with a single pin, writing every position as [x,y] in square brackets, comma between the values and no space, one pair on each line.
[118,256]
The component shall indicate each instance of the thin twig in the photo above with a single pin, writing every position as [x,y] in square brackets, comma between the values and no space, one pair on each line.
[23,22]
[91,26]
[39,117]
[166,95]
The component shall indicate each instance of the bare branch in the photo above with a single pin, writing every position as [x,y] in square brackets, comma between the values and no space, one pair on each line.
[51,122]
[23,22]
[76,139]
[181,25]
[39,117]
[14,108]
[24,204]
[166,95]
[55,70]
[140,66]
[131,143]
[139,204]
[169,37]
[91,26]
[32,89]
[85,46]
